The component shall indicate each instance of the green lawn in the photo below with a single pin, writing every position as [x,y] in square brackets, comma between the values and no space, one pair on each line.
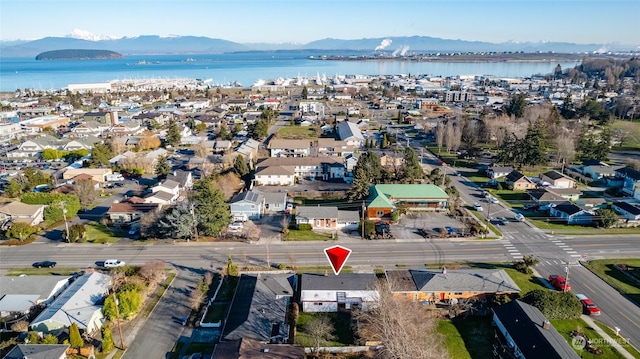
[566,326]
[216,312]
[561,228]
[604,268]
[304,235]
[343,335]
[227,289]
[467,338]
[42,271]
[451,158]
[487,223]
[526,282]
[297,132]
[99,233]
[633,351]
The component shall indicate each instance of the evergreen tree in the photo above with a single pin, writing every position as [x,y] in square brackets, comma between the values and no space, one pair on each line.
[305,93]
[240,166]
[360,186]
[163,167]
[173,134]
[258,130]
[211,211]
[100,155]
[385,142]
[224,134]
[109,308]
[517,105]
[75,340]
[49,339]
[107,339]
[177,222]
[534,146]
[412,168]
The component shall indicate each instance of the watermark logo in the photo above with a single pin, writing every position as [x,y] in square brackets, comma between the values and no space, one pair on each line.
[578,342]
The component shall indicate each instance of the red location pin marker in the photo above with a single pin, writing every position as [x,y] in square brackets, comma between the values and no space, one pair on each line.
[337,256]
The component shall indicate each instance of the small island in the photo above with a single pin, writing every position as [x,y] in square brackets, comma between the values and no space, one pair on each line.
[79,54]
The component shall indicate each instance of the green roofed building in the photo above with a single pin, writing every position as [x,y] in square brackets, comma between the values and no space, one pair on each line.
[385,198]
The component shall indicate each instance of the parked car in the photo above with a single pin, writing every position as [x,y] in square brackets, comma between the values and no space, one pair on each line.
[289,208]
[559,282]
[587,305]
[450,231]
[235,226]
[478,207]
[113,263]
[44,264]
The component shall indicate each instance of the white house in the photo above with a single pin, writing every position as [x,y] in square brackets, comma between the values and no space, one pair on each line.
[78,304]
[289,148]
[328,293]
[350,133]
[275,176]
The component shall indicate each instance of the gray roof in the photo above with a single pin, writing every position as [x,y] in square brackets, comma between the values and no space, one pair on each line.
[259,307]
[42,285]
[348,216]
[18,302]
[79,302]
[37,351]
[348,130]
[248,196]
[344,281]
[275,197]
[311,213]
[524,323]
[179,176]
[459,280]
[163,195]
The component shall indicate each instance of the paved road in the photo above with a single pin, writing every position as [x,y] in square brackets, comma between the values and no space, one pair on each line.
[164,325]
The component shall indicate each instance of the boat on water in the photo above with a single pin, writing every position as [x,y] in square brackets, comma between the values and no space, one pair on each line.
[190,59]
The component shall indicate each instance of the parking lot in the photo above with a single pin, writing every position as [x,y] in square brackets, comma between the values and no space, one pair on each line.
[410,225]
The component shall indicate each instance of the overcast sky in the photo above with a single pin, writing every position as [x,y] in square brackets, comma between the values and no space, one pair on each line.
[302,21]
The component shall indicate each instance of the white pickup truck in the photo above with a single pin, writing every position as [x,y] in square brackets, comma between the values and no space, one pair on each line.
[114,177]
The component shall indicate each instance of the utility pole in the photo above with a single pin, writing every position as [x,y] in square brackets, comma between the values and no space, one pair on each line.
[64,216]
[362,221]
[195,223]
[115,300]
[566,280]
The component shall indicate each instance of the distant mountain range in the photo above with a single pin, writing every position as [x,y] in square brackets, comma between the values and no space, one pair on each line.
[151,44]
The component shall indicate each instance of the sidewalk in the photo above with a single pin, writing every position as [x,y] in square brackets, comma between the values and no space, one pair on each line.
[614,342]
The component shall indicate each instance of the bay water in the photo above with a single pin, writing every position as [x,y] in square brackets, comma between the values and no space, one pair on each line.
[240,68]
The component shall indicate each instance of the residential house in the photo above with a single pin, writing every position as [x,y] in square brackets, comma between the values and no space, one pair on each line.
[525,333]
[450,286]
[331,147]
[249,150]
[259,307]
[82,298]
[495,172]
[519,182]
[597,169]
[571,213]
[385,198]
[97,174]
[631,181]
[307,167]
[98,116]
[393,160]
[350,133]
[246,348]
[221,146]
[19,294]
[544,197]
[130,211]
[166,192]
[31,214]
[330,293]
[38,351]
[289,148]
[307,107]
[318,217]
[274,202]
[595,203]
[350,162]
[241,103]
[89,128]
[247,205]
[556,179]
[275,176]
[183,178]
[627,210]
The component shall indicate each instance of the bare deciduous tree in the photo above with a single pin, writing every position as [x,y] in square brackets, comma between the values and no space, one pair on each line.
[20,326]
[320,329]
[449,136]
[251,231]
[152,270]
[195,297]
[565,148]
[405,328]
[208,278]
[86,192]
[440,134]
